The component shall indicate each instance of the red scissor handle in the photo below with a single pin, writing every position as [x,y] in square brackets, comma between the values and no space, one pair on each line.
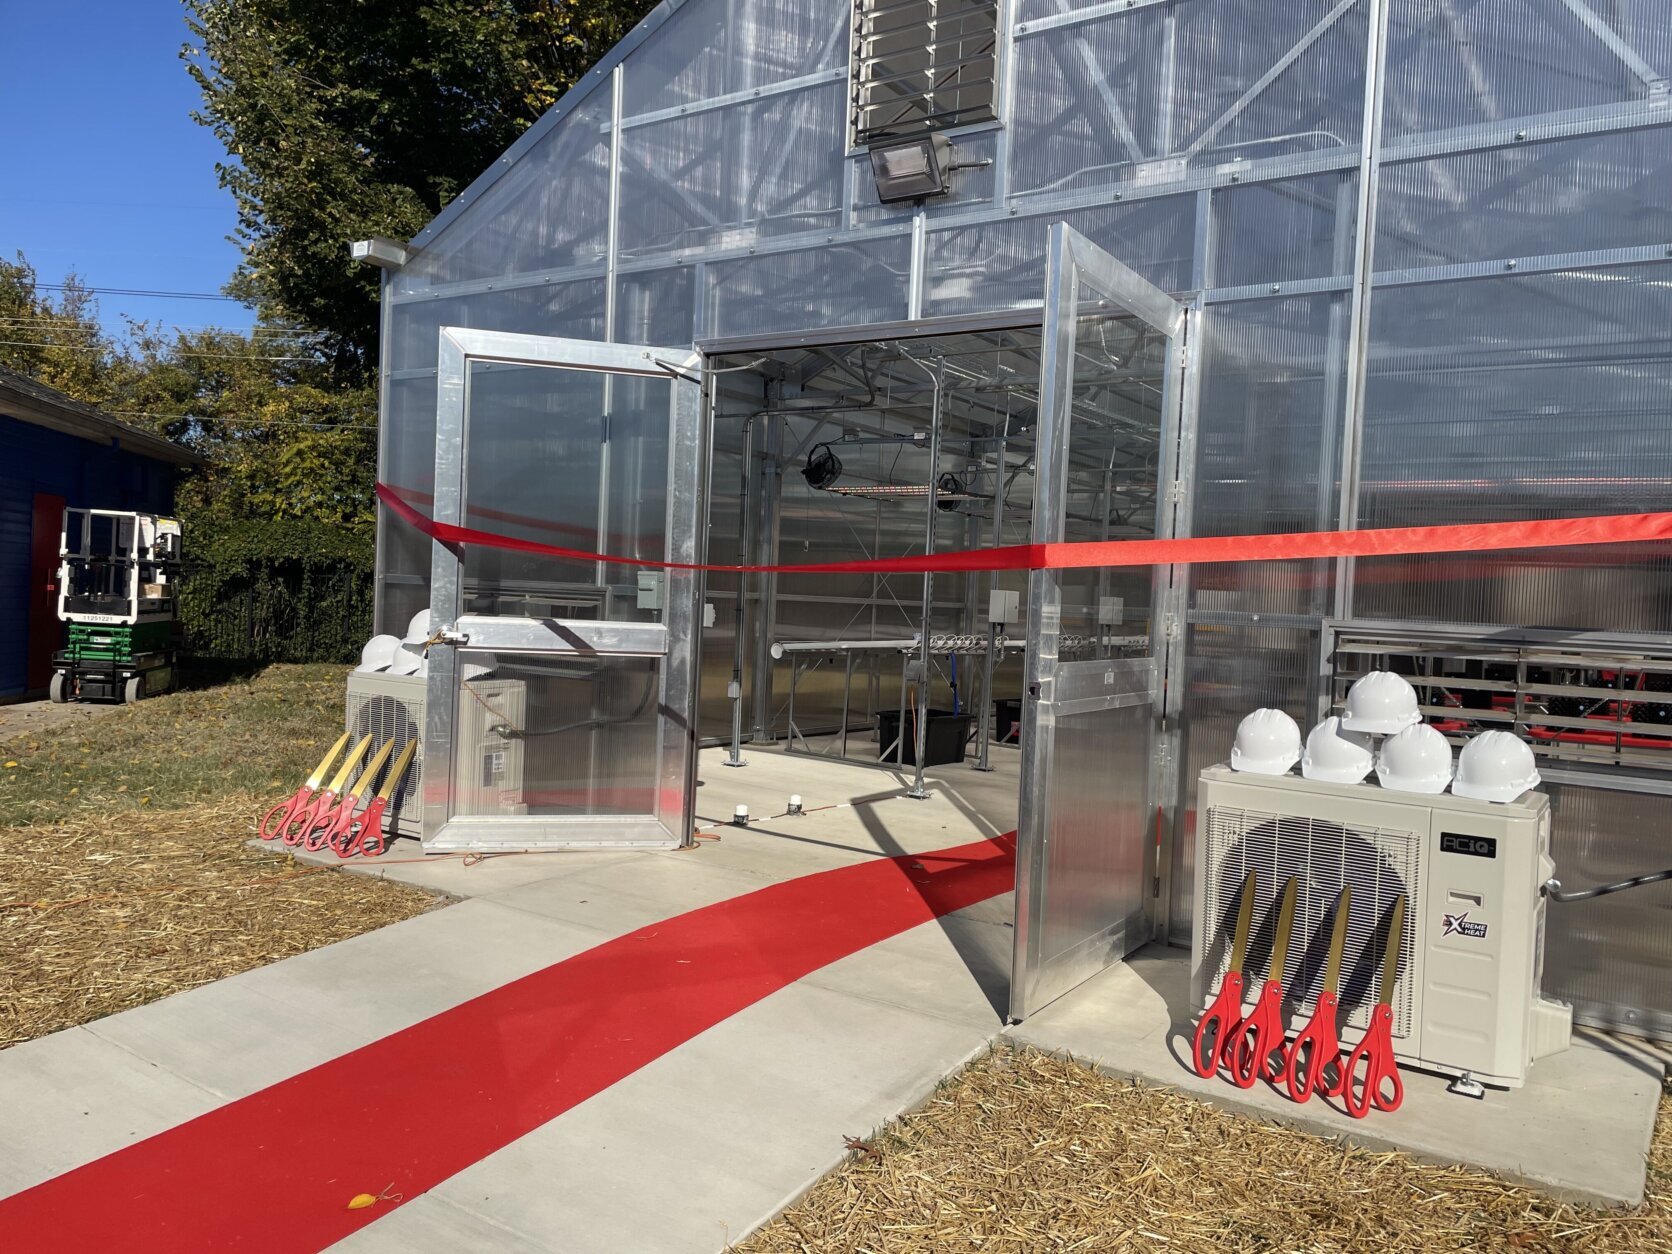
[1217,1023]
[1375,1051]
[370,841]
[302,822]
[1258,1039]
[272,823]
[339,837]
[330,819]
[1316,1053]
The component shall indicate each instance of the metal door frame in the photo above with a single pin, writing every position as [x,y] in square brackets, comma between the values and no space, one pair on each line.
[673,640]
[1074,260]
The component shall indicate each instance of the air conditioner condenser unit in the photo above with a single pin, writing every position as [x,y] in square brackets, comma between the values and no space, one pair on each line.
[489,779]
[1466,1001]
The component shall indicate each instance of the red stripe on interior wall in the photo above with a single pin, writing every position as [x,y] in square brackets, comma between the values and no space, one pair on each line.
[275,1170]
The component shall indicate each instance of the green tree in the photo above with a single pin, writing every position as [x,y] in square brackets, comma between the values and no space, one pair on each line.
[54,340]
[348,120]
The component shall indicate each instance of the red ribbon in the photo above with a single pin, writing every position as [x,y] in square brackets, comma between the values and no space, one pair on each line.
[1542,533]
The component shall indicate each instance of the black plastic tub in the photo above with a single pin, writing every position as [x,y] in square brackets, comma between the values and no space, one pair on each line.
[948,733]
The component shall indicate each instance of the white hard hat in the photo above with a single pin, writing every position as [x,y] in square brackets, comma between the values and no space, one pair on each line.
[1336,755]
[1495,766]
[378,653]
[1267,743]
[1380,702]
[418,630]
[1418,759]
[408,659]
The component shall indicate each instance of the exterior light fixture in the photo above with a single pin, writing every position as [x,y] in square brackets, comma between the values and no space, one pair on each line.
[379,250]
[823,468]
[914,170]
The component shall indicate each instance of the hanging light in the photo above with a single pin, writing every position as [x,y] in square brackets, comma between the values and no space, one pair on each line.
[912,171]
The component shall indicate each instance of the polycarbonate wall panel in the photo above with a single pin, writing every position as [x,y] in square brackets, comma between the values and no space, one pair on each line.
[1270,406]
[714,49]
[1610,956]
[1117,99]
[1455,65]
[849,285]
[1284,230]
[1230,671]
[549,210]
[763,165]
[1000,264]
[1538,396]
[1527,200]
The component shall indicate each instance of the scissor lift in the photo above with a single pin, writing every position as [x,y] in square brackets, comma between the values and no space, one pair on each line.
[118,580]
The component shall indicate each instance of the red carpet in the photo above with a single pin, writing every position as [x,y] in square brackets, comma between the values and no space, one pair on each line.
[275,1170]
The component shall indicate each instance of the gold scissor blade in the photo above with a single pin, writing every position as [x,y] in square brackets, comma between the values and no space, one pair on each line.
[1285,925]
[396,771]
[1337,939]
[349,763]
[325,762]
[1245,916]
[370,773]
[1396,938]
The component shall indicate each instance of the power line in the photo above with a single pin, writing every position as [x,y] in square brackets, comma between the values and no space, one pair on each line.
[135,291]
[94,348]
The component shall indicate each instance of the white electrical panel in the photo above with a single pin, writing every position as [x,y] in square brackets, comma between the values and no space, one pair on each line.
[1467,997]
[1004,606]
[1111,611]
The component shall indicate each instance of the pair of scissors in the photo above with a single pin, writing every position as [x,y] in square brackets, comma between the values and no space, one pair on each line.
[339,824]
[1255,1046]
[1375,1050]
[274,821]
[1220,1019]
[1315,1056]
[367,838]
[318,811]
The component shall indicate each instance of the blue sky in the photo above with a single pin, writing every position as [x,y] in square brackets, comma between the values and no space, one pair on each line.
[102,170]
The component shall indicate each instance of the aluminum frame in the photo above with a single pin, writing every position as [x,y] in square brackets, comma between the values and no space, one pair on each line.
[1038,977]
[674,641]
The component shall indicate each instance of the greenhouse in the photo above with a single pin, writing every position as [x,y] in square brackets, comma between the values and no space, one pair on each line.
[783,282]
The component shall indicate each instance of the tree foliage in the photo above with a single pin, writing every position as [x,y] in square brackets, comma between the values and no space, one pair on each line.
[344,120]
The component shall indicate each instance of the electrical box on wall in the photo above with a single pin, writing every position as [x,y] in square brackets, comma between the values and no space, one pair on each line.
[1467,995]
[1111,611]
[1004,606]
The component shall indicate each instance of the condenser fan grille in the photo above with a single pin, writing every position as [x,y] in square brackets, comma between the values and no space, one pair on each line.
[384,718]
[1378,863]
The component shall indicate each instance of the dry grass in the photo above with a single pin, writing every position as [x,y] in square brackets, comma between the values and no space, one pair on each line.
[124,872]
[1025,1152]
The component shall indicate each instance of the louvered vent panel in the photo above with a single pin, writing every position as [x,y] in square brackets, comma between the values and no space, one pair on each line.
[1378,863]
[391,707]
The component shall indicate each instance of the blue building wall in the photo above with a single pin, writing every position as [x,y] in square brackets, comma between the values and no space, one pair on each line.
[99,476]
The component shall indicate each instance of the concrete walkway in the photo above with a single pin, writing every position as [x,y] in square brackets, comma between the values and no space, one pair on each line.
[695,1149]
[714,1137]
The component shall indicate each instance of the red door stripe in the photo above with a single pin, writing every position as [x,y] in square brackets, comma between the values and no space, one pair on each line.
[275,1170]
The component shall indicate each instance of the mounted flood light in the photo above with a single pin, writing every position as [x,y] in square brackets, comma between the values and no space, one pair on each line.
[914,170]
[380,251]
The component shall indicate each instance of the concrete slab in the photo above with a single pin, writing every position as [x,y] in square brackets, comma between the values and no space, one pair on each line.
[619,897]
[72,1097]
[433,1225]
[706,1143]
[1579,1129]
[953,968]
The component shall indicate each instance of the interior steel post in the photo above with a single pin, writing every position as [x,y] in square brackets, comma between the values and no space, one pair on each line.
[918,792]
[739,607]
[984,763]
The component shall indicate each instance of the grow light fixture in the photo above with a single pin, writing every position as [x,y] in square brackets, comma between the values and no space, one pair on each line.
[913,170]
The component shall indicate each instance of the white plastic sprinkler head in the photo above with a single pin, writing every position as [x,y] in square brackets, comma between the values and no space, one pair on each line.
[740,816]
[795,803]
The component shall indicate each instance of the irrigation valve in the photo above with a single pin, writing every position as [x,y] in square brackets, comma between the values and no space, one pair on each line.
[795,804]
[740,816]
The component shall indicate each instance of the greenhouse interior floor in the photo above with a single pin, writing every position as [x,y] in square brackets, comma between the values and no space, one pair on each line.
[696,1145]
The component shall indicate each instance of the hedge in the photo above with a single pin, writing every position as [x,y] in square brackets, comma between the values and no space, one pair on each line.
[277,591]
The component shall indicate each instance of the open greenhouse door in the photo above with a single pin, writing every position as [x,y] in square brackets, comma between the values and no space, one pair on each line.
[1109,399]
[559,704]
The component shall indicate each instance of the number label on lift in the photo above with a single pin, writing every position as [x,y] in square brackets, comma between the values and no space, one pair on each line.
[1473,846]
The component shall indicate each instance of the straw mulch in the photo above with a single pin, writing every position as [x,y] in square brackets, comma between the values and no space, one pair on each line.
[1025,1152]
[99,913]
